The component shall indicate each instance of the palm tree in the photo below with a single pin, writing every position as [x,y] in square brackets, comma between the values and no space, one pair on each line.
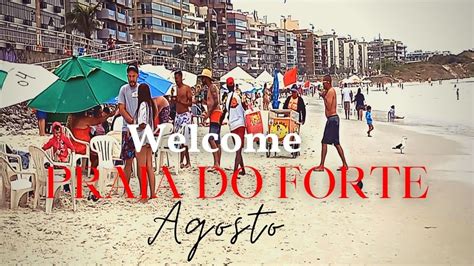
[176,51]
[82,18]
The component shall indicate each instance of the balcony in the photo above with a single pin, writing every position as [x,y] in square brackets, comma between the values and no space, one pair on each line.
[254,48]
[106,14]
[254,28]
[153,44]
[255,39]
[121,18]
[171,31]
[122,36]
[193,18]
[166,16]
[105,33]
[129,21]
[195,31]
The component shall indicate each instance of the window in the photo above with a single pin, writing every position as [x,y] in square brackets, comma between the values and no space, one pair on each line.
[237,22]
[167,38]
[236,34]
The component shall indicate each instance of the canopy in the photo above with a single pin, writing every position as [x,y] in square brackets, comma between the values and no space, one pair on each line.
[21,82]
[83,83]
[264,77]
[238,74]
[354,79]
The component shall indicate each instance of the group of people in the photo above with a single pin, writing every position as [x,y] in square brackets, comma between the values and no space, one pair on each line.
[360,106]
[137,106]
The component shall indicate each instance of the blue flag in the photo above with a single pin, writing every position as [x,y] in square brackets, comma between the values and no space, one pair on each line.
[276,90]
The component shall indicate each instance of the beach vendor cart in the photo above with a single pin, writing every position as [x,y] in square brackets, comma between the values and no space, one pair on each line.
[282,123]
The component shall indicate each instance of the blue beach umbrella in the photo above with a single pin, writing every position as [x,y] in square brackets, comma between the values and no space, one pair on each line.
[276,90]
[158,85]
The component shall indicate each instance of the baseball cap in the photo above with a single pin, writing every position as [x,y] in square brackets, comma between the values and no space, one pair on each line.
[132,68]
[230,81]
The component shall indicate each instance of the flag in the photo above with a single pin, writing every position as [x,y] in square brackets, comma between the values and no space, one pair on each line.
[290,77]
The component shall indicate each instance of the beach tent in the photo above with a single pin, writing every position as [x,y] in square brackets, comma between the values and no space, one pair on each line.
[264,77]
[354,79]
[245,86]
[21,82]
[238,74]
[189,78]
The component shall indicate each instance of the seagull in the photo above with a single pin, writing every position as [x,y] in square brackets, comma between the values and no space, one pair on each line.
[402,145]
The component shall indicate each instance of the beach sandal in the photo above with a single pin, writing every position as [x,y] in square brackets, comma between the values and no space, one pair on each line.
[319,169]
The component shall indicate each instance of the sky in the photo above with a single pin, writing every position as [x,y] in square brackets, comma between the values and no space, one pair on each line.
[420,24]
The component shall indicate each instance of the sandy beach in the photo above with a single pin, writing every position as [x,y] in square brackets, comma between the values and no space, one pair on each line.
[435,230]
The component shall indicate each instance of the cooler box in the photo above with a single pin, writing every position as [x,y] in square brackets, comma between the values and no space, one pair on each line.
[253,122]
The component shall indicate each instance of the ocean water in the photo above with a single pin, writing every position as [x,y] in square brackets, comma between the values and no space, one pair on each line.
[428,108]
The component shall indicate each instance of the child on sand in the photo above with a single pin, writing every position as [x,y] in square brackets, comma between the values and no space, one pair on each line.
[60,144]
[368,118]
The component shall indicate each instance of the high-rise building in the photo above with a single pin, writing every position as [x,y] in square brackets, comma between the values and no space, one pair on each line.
[330,53]
[238,39]
[289,24]
[268,59]
[254,44]
[380,50]
[309,52]
[291,50]
[116,20]
[280,48]
[161,25]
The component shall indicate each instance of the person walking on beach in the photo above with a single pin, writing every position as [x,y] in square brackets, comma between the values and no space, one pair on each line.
[331,130]
[346,99]
[144,117]
[184,101]
[359,99]
[235,108]
[457,93]
[368,118]
[214,113]
[128,104]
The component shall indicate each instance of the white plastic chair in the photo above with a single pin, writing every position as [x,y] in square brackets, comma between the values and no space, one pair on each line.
[83,157]
[104,147]
[117,123]
[164,150]
[18,187]
[18,165]
[39,158]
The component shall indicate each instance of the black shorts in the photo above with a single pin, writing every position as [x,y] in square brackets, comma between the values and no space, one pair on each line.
[215,128]
[331,131]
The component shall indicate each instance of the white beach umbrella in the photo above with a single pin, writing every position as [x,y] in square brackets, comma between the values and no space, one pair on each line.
[22,82]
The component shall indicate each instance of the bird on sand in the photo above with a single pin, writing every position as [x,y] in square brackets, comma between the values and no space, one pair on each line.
[402,145]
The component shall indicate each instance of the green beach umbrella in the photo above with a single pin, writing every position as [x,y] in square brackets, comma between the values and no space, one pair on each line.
[83,83]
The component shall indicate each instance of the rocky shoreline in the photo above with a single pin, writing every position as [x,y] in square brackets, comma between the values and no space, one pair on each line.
[17,118]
